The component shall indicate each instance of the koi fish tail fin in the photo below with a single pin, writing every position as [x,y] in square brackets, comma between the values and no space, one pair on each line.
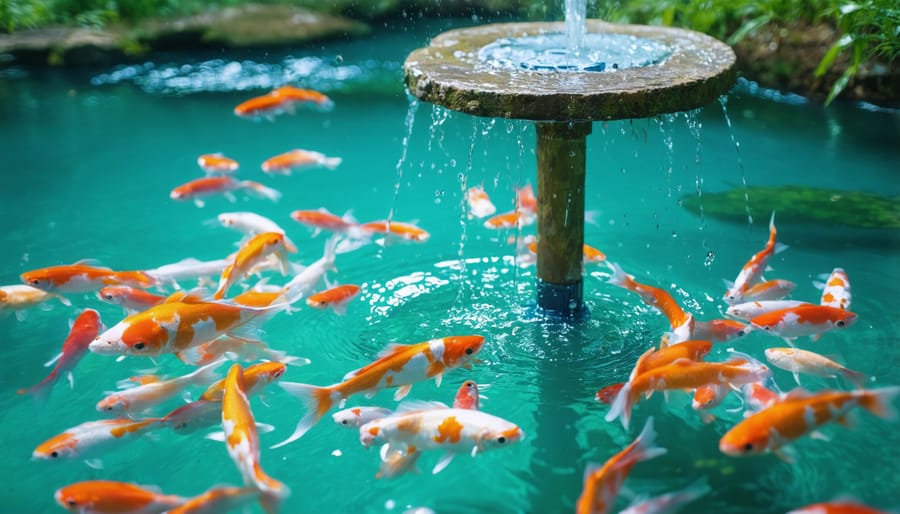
[779,247]
[272,492]
[332,162]
[316,400]
[146,280]
[261,190]
[619,278]
[621,406]
[879,402]
[324,105]
[694,491]
[330,253]
[855,376]
[41,392]
[645,447]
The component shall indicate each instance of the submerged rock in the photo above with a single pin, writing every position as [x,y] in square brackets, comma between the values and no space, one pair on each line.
[799,204]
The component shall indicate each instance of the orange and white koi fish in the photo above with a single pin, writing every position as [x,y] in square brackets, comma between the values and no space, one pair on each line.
[467,396]
[83,278]
[669,503]
[799,414]
[86,327]
[480,205]
[236,349]
[749,310]
[526,201]
[758,397]
[281,100]
[297,159]
[150,394]
[178,324]
[591,255]
[512,219]
[609,393]
[256,378]
[843,506]
[108,497]
[202,187]
[835,290]
[397,366]
[217,163]
[251,224]
[335,298]
[685,374]
[396,229]
[131,299]
[433,425]
[799,361]
[188,269]
[398,461]
[93,437]
[755,267]
[217,500]
[242,440]
[194,416]
[709,396]
[18,298]
[768,290]
[305,96]
[356,417]
[694,350]
[681,322]
[602,483]
[720,330]
[803,320]
[321,219]
[255,250]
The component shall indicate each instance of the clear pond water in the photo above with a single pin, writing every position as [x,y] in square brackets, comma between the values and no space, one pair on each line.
[87,161]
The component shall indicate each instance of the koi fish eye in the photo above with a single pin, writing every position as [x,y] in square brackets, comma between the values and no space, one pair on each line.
[72,503]
[748,447]
[35,282]
[468,351]
[469,384]
[139,346]
[108,296]
[54,454]
[109,407]
[277,374]
[767,327]
[344,422]
[840,323]
[501,439]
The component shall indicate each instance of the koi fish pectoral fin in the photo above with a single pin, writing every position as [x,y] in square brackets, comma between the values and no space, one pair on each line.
[402,391]
[444,462]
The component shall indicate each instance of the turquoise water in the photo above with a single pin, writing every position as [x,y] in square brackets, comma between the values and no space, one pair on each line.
[87,161]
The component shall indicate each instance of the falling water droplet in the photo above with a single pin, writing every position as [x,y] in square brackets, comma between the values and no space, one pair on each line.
[710,258]
[452,163]
[339,59]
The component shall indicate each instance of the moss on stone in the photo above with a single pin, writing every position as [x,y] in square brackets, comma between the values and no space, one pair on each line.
[800,204]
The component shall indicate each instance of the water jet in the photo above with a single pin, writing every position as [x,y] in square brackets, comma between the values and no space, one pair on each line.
[563,77]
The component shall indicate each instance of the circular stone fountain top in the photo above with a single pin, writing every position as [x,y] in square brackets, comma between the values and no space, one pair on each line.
[453,71]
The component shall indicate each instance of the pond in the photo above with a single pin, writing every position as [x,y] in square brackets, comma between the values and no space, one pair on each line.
[89,159]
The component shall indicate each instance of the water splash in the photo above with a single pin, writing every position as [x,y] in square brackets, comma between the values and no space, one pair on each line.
[410,121]
[576,11]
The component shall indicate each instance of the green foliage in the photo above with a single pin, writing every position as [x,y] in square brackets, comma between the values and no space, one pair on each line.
[870,28]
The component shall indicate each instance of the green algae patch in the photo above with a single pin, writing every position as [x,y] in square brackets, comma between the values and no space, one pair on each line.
[800,204]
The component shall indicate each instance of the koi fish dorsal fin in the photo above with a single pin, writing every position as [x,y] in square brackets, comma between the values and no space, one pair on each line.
[94,263]
[797,394]
[417,405]
[590,469]
[393,349]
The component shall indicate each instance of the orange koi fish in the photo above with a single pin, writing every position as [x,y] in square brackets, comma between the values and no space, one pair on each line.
[399,229]
[108,497]
[427,426]
[520,218]
[397,366]
[305,96]
[321,220]
[194,416]
[720,330]
[755,267]
[287,162]
[208,186]
[217,163]
[131,299]
[591,254]
[749,310]
[602,483]
[758,396]
[217,500]
[480,205]
[146,395]
[769,290]
[82,278]
[336,298]
[251,224]
[681,322]
[803,320]
[86,327]
[526,201]
[256,378]
[799,414]
[837,507]
[252,253]
[685,374]
[835,290]
[799,361]
[242,440]
[467,396]
[178,324]
[709,396]
[18,298]
[266,106]
[92,437]
[669,503]
[609,393]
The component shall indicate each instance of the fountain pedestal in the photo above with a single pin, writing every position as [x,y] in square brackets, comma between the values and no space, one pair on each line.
[451,73]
